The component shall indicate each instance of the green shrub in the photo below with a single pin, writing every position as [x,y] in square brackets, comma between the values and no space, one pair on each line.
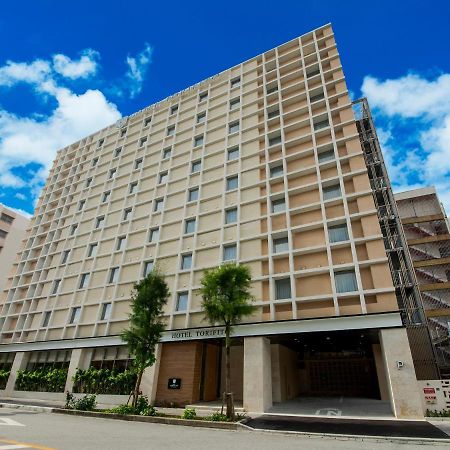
[435,413]
[104,381]
[189,413]
[122,410]
[218,417]
[41,380]
[143,408]
[86,403]
[4,375]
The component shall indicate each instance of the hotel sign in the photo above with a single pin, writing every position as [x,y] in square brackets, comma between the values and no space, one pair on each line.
[195,333]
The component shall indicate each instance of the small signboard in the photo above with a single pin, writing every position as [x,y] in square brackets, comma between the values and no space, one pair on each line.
[430,395]
[174,383]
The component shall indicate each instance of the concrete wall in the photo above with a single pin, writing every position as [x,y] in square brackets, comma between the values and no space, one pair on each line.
[437,401]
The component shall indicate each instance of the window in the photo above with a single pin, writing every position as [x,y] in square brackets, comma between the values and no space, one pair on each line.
[271,89]
[278,205]
[330,192]
[73,229]
[202,96]
[127,214]
[201,117]
[167,152]
[100,222]
[321,124]
[154,235]
[186,261]
[274,140]
[6,218]
[233,127]
[235,103]
[133,187]
[121,243]
[193,195]
[159,204]
[117,152]
[189,226]
[231,215]
[196,166]
[106,196]
[112,173]
[316,97]
[273,113]
[326,156]
[94,162]
[92,250]
[113,275]
[147,121]
[198,140]
[338,233]
[235,82]
[148,267]
[65,256]
[101,142]
[276,171]
[3,234]
[182,301]
[280,245]
[282,288]
[233,153]
[138,163]
[232,183]
[123,132]
[174,109]
[106,311]
[55,288]
[229,252]
[88,181]
[81,205]
[142,141]
[46,320]
[163,177]
[345,281]
[313,72]
[84,281]
[75,314]
[171,130]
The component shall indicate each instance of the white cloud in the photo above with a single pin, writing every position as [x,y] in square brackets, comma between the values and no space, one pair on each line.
[83,68]
[20,196]
[8,179]
[137,68]
[12,72]
[415,132]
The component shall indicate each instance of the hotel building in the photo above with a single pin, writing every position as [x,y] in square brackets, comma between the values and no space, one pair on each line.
[263,164]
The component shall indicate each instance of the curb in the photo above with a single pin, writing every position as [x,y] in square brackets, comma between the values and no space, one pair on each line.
[151,419]
[44,409]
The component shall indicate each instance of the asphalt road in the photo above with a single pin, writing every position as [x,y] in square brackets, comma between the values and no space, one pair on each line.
[24,429]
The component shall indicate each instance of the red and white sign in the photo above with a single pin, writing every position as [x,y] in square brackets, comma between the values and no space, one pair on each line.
[430,395]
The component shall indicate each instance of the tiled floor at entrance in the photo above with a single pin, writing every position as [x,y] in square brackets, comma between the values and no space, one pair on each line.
[334,407]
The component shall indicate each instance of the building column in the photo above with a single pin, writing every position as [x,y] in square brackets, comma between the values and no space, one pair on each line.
[149,381]
[276,373]
[20,363]
[401,376]
[381,373]
[78,360]
[257,374]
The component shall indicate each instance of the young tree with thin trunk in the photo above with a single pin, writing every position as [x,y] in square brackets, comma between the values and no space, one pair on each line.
[227,300]
[146,325]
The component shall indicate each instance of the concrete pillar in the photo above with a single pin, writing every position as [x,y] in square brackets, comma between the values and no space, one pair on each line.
[276,373]
[20,363]
[402,382]
[381,372]
[149,381]
[257,374]
[78,360]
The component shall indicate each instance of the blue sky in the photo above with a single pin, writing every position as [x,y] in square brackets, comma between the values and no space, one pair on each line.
[66,71]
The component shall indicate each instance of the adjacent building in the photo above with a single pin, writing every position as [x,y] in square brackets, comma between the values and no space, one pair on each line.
[263,164]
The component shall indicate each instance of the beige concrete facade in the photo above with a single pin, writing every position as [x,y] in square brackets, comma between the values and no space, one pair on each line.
[260,164]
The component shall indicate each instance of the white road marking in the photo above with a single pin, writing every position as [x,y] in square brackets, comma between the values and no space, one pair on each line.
[10,422]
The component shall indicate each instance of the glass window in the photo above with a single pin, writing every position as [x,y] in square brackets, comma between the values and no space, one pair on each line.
[148,267]
[193,195]
[321,124]
[138,163]
[133,187]
[233,127]
[171,130]
[280,245]
[166,153]
[174,109]
[117,152]
[233,153]
[312,72]
[101,142]
[189,226]
[75,314]
[330,192]
[84,280]
[147,121]
[338,233]
[316,97]
[202,96]
[92,250]
[73,229]
[326,156]
[229,252]
[271,89]
[234,104]
[56,284]
[154,235]
[65,256]
[127,214]
[114,275]
[121,243]
[88,181]
[196,166]
[235,82]
[198,140]
[278,205]
[231,215]
[232,183]
[182,301]
[159,204]
[276,171]
[186,261]
[106,196]
[106,311]
[81,205]
[46,320]
[201,117]
[100,222]
[94,162]
[273,113]
[123,132]
[112,173]
[345,281]
[163,177]
[274,140]
[282,288]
